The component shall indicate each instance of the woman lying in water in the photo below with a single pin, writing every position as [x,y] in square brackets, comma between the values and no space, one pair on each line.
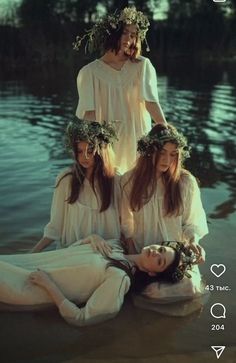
[96,273]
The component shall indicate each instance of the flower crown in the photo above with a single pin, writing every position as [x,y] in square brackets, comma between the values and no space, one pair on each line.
[100,32]
[156,139]
[188,259]
[94,133]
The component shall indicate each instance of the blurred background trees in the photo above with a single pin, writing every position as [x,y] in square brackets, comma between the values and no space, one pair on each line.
[42,31]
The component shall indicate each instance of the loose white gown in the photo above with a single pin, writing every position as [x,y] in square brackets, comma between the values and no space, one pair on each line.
[119,95]
[79,272]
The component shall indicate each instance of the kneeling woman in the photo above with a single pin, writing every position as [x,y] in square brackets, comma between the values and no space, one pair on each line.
[161,201]
[82,274]
[87,195]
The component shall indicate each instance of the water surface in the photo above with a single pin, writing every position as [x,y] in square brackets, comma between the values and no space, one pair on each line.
[33,114]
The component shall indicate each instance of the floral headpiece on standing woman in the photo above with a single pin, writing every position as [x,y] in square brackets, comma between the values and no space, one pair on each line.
[158,136]
[109,24]
[96,134]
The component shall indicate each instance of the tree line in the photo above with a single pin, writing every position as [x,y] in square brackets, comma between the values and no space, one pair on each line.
[42,31]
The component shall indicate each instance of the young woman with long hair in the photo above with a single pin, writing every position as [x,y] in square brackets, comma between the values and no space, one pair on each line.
[161,200]
[86,196]
[84,274]
[121,84]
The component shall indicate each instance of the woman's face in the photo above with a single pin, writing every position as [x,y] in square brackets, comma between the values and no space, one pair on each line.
[128,38]
[85,155]
[156,258]
[168,155]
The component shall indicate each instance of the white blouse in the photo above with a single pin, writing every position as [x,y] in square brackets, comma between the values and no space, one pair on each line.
[119,95]
[72,222]
[79,272]
[150,225]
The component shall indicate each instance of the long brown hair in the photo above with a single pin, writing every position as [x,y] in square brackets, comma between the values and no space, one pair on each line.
[144,182]
[103,173]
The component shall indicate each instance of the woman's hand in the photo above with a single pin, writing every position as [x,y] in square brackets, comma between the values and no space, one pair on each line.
[198,250]
[98,244]
[40,278]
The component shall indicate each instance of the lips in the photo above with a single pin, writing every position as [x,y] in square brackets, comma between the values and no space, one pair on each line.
[84,164]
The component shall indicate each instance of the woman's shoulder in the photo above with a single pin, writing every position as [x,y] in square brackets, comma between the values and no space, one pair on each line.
[188,180]
[89,67]
[116,273]
[64,175]
[144,60]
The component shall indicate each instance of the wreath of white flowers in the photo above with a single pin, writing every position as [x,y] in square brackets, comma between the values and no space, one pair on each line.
[96,36]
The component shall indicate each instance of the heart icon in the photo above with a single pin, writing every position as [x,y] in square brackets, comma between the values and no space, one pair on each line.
[218,270]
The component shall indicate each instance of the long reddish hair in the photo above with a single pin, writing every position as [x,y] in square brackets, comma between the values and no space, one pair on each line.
[103,173]
[144,182]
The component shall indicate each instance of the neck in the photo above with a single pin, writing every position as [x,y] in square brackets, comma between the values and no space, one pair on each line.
[135,259]
[111,56]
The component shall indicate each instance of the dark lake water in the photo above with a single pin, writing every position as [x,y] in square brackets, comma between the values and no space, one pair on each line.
[34,111]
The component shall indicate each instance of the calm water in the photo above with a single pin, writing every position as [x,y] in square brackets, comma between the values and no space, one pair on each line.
[202,103]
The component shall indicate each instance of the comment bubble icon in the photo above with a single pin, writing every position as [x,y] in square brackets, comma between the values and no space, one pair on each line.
[218,311]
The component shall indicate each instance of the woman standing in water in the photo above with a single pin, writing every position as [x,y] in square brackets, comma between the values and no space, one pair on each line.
[78,275]
[86,197]
[121,85]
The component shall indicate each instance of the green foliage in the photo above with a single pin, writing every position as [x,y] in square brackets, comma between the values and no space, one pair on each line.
[45,29]
[96,36]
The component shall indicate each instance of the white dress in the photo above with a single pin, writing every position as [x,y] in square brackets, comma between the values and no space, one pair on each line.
[119,96]
[72,222]
[78,271]
[149,225]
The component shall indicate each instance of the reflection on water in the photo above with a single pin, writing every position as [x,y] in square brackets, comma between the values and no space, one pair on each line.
[33,116]
[35,111]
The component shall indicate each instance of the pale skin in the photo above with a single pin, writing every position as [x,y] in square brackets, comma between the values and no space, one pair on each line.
[168,156]
[152,259]
[85,157]
[116,61]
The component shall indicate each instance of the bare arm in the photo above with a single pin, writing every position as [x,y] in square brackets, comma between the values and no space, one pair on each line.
[156,112]
[43,243]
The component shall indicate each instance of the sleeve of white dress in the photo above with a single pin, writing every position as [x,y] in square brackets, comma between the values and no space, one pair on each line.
[58,208]
[194,216]
[85,88]
[104,304]
[149,82]
[127,217]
